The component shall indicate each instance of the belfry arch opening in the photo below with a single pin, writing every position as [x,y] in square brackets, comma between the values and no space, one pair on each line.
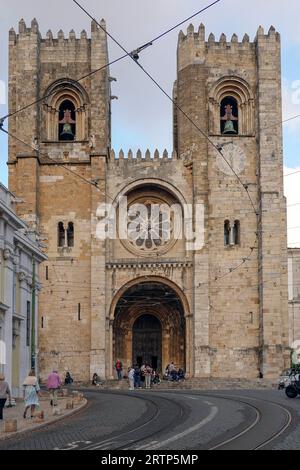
[149,326]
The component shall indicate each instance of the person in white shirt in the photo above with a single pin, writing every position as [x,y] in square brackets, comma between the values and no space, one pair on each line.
[131,378]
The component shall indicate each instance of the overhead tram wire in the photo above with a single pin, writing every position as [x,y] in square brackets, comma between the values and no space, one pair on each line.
[134,58]
[160,36]
[217,278]
[203,133]
[48,95]
[56,162]
[127,54]
[139,49]
[291,174]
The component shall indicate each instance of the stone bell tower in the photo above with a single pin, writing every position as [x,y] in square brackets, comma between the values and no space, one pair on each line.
[241,321]
[70,131]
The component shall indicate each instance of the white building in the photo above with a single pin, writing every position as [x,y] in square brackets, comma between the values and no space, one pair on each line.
[20,257]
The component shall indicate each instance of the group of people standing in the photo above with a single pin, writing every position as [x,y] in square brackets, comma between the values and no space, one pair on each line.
[139,377]
[142,376]
[31,391]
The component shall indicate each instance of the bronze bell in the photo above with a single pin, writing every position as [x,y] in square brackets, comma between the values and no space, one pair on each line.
[67,121]
[229,128]
[229,119]
[67,131]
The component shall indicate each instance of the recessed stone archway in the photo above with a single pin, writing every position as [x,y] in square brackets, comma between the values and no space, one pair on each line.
[157,300]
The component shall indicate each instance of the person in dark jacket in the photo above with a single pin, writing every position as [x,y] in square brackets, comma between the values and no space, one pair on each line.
[137,377]
[4,394]
[68,379]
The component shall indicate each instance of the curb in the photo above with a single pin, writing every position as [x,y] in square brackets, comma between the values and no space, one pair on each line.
[45,424]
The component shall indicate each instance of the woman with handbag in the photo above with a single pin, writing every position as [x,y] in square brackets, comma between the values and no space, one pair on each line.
[31,393]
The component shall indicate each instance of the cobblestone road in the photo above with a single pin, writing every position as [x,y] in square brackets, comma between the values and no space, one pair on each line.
[182,420]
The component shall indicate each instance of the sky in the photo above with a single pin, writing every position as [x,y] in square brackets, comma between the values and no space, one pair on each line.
[142,116]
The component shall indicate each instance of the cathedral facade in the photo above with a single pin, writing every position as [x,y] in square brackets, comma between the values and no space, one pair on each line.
[212,296]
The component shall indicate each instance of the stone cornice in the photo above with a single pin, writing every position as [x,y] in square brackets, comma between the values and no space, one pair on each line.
[148,264]
[4,306]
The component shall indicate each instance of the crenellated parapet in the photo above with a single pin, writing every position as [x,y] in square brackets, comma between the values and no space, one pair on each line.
[51,39]
[195,47]
[140,158]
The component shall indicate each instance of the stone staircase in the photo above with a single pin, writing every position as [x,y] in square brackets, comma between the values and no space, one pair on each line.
[196,384]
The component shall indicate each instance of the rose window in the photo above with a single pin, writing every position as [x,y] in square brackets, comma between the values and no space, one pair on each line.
[150,225]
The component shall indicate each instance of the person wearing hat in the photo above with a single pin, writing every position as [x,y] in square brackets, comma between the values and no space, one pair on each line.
[4,393]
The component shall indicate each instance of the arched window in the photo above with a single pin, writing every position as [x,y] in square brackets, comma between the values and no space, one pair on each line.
[227,233]
[70,235]
[67,121]
[229,116]
[237,232]
[66,112]
[61,235]
[231,107]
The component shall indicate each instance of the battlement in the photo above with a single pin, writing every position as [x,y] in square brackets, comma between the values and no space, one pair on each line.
[33,30]
[139,157]
[195,48]
[199,36]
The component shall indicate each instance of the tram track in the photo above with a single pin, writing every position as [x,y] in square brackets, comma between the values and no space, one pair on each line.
[224,445]
[111,443]
[168,421]
[246,439]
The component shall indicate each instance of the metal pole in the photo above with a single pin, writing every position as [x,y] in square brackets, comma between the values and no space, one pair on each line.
[33,359]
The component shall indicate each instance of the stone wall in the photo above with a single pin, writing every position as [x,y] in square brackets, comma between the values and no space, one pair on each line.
[234,297]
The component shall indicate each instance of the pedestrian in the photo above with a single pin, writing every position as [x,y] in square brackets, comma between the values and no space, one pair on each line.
[31,393]
[53,385]
[96,380]
[148,376]
[4,393]
[131,378]
[68,379]
[119,369]
[181,374]
[143,375]
[155,378]
[137,377]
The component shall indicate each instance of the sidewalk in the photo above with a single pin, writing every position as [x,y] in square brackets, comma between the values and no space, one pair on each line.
[49,417]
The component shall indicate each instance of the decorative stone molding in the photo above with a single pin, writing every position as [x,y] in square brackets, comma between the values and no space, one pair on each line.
[159,265]
[239,89]
[29,281]
[22,276]
[7,254]
[57,93]
[65,250]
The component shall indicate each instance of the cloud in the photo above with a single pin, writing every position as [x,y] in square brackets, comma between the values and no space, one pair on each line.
[292,184]
[143,116]
[291,104]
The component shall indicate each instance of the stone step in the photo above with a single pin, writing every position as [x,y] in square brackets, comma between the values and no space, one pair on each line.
[200,384]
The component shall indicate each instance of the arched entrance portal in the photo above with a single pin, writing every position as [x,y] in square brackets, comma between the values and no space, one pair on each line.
[147,342]
[149,326]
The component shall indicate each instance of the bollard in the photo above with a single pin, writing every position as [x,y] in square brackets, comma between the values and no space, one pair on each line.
[10,425]
[65,392]
[39,417]
[56,412]
[70,405]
